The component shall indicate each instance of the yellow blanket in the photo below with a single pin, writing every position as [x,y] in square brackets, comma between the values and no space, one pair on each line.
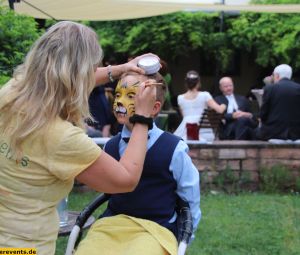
[125,235]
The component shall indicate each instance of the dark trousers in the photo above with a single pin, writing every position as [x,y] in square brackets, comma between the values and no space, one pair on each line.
[239,129]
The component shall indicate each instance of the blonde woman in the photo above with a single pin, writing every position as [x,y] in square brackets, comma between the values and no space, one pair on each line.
[42,145]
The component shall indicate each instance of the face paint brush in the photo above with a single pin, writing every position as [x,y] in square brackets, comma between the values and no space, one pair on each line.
[154,84]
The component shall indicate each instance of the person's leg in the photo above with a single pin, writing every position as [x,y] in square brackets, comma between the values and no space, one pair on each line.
[243,129]
[227,131]
[256,135]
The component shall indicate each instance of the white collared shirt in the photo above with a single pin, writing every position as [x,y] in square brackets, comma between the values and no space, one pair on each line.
[232,104]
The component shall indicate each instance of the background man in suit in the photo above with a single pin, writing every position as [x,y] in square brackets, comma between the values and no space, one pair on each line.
[239,120]
[280,114]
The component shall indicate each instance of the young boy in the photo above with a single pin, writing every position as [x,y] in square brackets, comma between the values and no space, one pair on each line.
[168,173]
[168,170]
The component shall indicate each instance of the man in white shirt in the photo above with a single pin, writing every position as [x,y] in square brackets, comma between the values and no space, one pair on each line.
[239,120]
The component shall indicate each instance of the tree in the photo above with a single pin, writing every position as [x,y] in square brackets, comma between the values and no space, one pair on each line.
[17,33]
[273,38]
[169,36]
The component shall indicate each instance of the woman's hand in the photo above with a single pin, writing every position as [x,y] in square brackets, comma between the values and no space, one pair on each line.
[131,66]
[217,107]
[223,107]
[145,98]
[102,73]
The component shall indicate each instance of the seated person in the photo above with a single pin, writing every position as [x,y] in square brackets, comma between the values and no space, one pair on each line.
[101,113]
[239,120]
[279,113]
[168,174]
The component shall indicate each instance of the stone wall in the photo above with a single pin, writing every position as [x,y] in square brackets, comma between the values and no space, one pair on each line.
[244,159]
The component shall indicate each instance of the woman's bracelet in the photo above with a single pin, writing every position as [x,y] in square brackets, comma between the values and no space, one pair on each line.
[110,77]
[135,118]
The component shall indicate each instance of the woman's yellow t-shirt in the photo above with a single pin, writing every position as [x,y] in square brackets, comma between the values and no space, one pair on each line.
[31,188]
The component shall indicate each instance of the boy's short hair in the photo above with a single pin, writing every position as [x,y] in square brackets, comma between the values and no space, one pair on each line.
[160,90]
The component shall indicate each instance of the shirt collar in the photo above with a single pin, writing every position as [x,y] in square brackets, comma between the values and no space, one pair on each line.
[127,133]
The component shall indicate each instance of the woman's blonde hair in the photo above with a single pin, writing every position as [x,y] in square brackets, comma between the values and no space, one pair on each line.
[55,80]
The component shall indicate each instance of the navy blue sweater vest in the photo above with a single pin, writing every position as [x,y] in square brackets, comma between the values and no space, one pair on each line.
[154,197]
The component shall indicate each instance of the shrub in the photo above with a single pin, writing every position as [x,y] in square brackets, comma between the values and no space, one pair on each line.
[275,179]
[228,181]
[297,184]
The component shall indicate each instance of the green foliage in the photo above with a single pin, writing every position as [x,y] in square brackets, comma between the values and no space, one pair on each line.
[17,33]
[228,181]
[272,37]
[297,185]
[169,36]
[206,184]
[3,79]
[252,224]
[269,38]
[275,179]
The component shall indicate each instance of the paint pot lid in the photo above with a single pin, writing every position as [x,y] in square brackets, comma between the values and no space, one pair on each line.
[150,64]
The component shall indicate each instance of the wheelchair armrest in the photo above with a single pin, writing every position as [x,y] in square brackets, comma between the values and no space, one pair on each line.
[185,223]
[76,232]
[89,209]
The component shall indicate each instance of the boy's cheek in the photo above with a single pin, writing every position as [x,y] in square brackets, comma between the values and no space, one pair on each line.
[130,112]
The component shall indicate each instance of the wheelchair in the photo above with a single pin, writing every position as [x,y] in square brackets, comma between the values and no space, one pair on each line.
[184,222]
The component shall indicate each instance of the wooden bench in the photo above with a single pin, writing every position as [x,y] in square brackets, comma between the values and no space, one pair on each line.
[211,119]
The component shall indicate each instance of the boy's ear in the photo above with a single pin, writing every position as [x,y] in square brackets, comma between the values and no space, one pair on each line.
[156,108]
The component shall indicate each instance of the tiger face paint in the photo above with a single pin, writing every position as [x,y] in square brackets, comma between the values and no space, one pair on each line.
[125,92]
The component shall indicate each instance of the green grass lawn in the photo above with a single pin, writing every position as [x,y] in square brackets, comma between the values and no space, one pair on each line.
[256,224]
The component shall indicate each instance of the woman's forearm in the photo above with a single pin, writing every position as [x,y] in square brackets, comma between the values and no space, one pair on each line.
[214,105]
[134,156]
[111,176]
[103,74]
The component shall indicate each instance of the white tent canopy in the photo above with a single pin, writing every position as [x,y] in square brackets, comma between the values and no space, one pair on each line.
[130,9]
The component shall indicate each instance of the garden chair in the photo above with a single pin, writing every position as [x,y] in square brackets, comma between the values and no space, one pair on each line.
[184,224]
[211,119]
